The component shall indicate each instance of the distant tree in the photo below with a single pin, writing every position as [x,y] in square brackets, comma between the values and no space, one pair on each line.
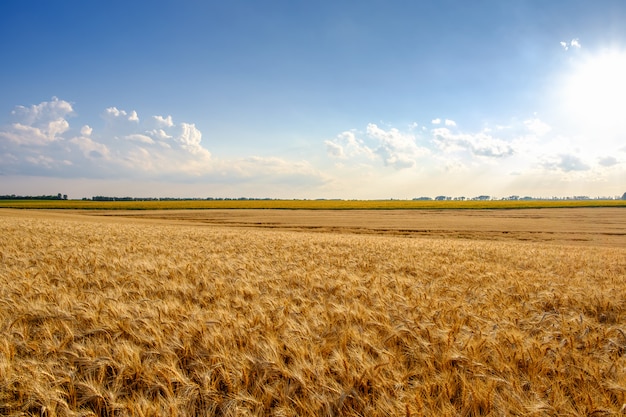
[624,196]
[64,196]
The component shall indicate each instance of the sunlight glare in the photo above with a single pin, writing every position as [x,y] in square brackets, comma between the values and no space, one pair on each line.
[595,92]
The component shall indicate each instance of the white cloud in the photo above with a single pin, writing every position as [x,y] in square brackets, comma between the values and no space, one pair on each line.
[113,113]
[41,138]
[39,124]
[137,137]
[397,149]
[43,113]
[347,145]
[159,134]
[163,121]
[56,128]
[479,144]
[31,135]
[25,135]
[368,163]
[574,43]
[190,138]
[91,149]
[439,149]
[86,130]
[537,127]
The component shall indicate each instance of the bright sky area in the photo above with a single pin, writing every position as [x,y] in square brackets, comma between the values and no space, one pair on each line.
[359,99]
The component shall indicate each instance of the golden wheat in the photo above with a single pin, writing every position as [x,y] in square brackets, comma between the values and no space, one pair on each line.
[119,317]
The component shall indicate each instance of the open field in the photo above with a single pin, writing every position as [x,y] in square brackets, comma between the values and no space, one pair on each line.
[605,226]
[312,313]
[305,204]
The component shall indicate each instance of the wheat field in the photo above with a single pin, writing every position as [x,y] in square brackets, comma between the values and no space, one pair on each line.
[131,317]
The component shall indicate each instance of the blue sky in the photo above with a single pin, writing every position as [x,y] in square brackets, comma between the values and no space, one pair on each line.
[286,99]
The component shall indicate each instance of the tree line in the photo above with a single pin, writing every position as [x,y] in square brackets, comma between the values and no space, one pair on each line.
[58,196]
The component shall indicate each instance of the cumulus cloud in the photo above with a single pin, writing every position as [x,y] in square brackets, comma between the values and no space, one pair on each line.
[439,148]
[44,112]
[38,124]
[159,134]
[395,148]
[113,114]
[41,141]
[190,138]
[347,145]
[163,121]
[90,148]
[25,135]
[86,130]
[479,144]
[41,136]
[516,155]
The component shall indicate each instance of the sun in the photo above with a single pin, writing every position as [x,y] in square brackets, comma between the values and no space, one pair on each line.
[594,93]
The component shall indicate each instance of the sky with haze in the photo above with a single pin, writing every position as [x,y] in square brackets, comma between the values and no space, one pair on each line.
[349,99]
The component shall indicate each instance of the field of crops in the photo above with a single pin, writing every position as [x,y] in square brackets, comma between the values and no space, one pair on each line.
[117,316]
[305,204]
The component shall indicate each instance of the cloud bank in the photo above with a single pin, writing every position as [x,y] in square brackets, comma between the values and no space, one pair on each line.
[41,140]
[45,140]
[528,156]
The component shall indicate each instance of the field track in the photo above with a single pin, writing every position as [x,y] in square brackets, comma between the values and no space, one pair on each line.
[313,313]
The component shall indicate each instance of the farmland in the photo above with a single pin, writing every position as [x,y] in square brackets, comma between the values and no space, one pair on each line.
[304,204]
[311,312]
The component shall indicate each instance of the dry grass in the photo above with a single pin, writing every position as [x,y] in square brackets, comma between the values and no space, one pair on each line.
[120,317]
[597,226]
